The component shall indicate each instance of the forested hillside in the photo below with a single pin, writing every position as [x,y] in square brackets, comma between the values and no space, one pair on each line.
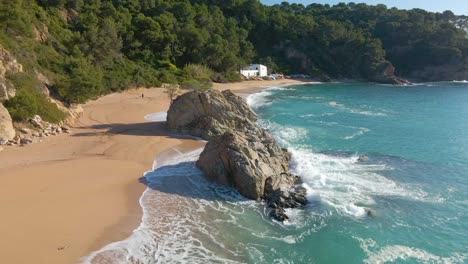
[86,48]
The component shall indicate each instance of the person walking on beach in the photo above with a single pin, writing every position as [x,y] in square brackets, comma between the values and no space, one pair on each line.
[142,95]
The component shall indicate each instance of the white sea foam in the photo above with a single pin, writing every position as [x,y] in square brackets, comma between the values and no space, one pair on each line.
[284,135]
[156,117]
[260,99]
[376,254]
[341,182]
[347,185]
[317,115]
[257,100]
[171,230]
[352,110]
[361,131]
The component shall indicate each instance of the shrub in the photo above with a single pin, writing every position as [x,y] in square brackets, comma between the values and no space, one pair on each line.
[202,84]
[22,106]
[83,82]
[29,101]
[198,71]
[226,77]
[26,104]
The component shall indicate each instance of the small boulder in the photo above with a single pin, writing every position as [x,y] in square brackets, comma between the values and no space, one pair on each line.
[279,214]
[26,141]
[36,121]
[363,158]
[25,130]
[370,212]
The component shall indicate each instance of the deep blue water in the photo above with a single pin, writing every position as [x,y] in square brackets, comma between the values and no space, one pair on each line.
[415,179]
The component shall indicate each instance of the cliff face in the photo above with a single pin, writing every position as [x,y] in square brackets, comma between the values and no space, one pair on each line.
[385,73]
[239,153]
[7,132]
[8,65]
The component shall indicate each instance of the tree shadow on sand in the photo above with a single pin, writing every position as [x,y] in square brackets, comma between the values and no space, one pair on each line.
[136,129]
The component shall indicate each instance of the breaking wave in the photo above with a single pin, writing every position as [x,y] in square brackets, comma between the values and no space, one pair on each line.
[376,254]
[355,110]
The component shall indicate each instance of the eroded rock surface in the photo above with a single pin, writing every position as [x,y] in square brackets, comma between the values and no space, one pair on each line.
[385,73]
[7,132]
[8,65]
[210,114]
[239,153]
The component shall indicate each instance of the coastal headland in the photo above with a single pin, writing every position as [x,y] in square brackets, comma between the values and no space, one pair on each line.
[75,193]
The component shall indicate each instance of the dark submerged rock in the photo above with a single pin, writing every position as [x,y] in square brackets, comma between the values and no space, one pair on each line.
[239,153]
[363,158]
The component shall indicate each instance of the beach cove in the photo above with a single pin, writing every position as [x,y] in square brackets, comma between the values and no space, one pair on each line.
[75,193]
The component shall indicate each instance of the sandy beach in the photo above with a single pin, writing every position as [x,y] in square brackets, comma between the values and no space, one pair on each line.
[74,193]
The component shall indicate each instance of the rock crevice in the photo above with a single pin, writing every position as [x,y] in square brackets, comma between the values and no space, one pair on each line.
[239,153]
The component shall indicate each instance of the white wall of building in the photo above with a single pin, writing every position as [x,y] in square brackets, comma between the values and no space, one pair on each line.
[249,73]
[255,70]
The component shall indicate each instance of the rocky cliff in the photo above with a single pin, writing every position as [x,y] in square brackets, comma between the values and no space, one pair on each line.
[385,73]
[239,153]
[7,132]
[8,65]
[33,129]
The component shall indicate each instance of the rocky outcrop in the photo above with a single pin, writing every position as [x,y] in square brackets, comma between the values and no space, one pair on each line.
[8,65]
[41,33]
[385,73]
[210,114]
[72,111]
[35,130]
[246,162]
[239,153]
[7,132]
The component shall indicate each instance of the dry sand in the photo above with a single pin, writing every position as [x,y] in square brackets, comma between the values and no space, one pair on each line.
[72,194]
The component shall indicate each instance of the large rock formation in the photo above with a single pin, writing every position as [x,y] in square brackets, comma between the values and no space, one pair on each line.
[210,114]
[8,65]
[239,153]
[385,73]
[7,132]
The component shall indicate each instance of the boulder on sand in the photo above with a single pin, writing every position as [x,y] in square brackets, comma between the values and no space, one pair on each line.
[239,153]
[7,132]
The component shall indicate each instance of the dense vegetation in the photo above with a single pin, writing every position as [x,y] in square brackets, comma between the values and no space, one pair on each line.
[91,47]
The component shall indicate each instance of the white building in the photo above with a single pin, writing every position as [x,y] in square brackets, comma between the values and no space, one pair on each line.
[254,70]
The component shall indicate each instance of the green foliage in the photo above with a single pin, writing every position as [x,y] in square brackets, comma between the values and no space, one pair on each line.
[29,102]
[89,48]
[22,106]
[197,84]
[198,71]
[229,76]
[13,19]
[82,82]
[171,90]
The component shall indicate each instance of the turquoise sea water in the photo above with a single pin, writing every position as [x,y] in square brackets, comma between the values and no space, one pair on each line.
[415,181]
[416,178]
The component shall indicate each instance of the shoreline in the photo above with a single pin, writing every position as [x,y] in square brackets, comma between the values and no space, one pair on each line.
[75,193]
